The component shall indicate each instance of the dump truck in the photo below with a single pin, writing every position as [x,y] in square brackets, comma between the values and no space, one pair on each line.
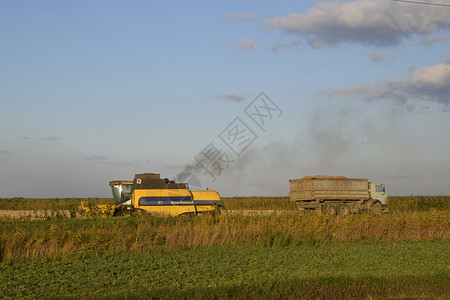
[150,193]
[337,195]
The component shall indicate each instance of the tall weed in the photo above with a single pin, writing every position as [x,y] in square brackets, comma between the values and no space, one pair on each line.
[94,236]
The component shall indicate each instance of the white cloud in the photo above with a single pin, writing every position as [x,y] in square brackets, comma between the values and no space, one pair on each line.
[245,45]
[369,22]
[121,163]
[96,157]
[378,57]
[280,46]
[232,97]
[314,68]
[433,38]
[50,138]
[243,15]
[433,79]
[411,106]
[427,83]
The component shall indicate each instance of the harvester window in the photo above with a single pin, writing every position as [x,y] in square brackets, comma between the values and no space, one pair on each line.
[122,192]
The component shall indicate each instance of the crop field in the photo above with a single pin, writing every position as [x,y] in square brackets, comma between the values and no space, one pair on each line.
[282,254]
[333,271]
[396,203]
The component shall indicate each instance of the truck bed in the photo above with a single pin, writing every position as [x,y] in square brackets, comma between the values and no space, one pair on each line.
[328,188]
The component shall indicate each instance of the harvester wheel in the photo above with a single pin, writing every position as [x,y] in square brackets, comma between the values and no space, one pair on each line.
[121,211]
[377,208]
[117,212]
[138,212]
[219,210]
[344,210]
[330,209]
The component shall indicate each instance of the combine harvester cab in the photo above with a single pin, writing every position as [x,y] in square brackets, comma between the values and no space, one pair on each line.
[150,193]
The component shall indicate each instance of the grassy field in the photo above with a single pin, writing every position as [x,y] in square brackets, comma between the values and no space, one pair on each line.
[49,204]
[396,203]
[94,236]
[327,271]
[403,254]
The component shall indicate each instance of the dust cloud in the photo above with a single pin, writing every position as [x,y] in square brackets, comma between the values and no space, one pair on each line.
[321,147]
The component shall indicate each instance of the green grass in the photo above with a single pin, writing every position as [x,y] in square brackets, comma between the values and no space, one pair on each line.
[338,271]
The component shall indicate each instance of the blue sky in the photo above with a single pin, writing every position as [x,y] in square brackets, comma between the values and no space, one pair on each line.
[100,91]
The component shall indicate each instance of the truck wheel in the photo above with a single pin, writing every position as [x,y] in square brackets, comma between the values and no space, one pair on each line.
[377,208]
[330,209]
[344,210]
[302,212]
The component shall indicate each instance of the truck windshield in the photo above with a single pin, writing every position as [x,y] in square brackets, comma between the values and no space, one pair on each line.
[379,188]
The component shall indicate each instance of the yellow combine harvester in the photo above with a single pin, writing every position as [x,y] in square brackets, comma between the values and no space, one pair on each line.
[150,193]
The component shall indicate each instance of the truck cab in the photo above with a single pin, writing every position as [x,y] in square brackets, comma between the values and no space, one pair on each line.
[378,192]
